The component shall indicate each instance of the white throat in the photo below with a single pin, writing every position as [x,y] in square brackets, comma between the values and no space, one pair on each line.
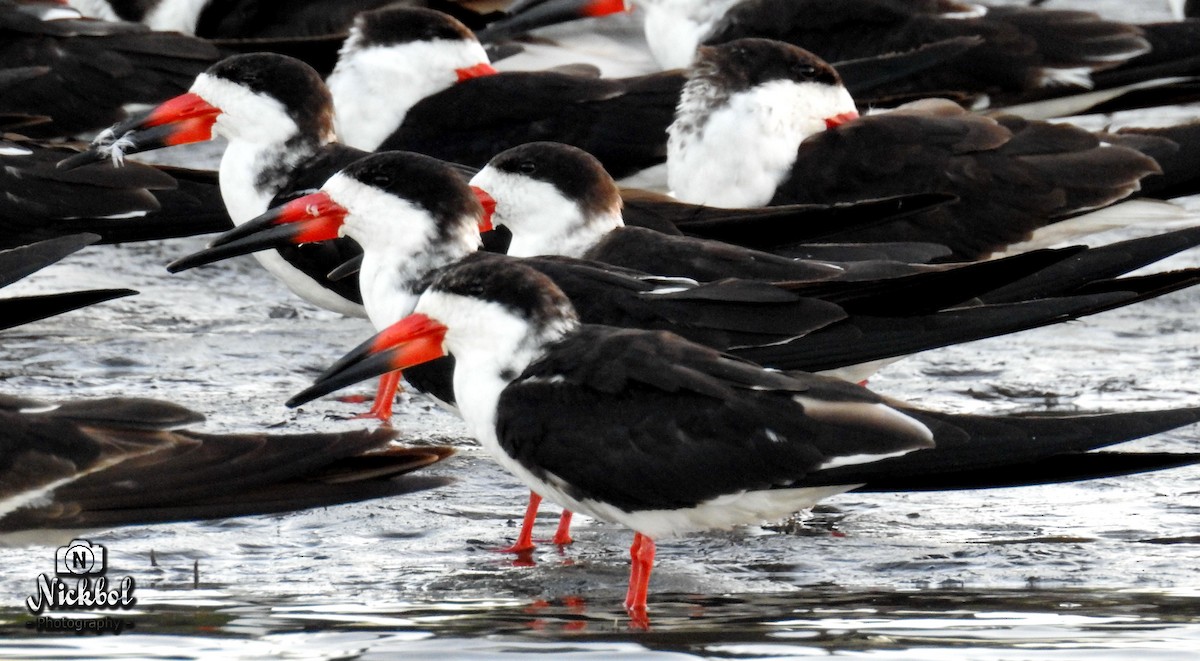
[737,154]
[491,346]
[258,128]
[374,88]
[400,246]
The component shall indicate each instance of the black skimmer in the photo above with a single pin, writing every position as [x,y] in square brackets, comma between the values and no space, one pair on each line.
[668,437]
[732,145]
[414,215]
[558,200]
[134,203]
[16,263]
[92,464]
[277,116]
[82,72]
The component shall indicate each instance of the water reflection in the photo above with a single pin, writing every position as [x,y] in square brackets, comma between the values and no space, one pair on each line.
[817,620]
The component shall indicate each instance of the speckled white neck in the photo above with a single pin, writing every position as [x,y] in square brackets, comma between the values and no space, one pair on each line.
[374,87]
[737,153]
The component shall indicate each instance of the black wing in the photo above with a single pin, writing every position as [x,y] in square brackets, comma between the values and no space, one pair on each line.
[647,421]
[1018,44]
[94,68]
[246,19]
[125,464]
[622,122]
[719,314]
[1010,176]
[136,202]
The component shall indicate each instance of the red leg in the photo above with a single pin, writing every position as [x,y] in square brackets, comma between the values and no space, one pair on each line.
[524,541]
[382,408]
[641,553]
[635,569]
[562,536]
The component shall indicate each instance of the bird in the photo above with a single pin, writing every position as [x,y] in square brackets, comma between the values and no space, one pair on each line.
[666,437]
[732,144]
[87,464]
[414,215]
[556,199]
[24,260]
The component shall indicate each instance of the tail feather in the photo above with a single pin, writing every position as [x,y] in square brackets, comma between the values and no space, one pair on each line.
[27,309]
[1096,264]
[16,263]
[1051,470]
[968,447]
[1177,150]
[863,339]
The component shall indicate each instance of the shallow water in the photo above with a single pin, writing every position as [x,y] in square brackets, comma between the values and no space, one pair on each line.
[1104,569]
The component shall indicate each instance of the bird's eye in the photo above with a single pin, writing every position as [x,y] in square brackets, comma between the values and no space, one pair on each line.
[527,167]
[807,70]
[381,181]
